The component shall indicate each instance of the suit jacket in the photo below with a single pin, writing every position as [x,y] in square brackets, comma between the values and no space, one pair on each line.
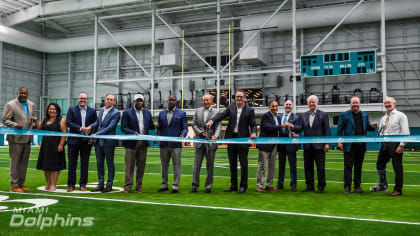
[177,127]
[320,127]
[14,114]
[130,124]
[106,127]
[246,121]
[346,126]
[269,128]
[297,123]
[199,125]
[74,121]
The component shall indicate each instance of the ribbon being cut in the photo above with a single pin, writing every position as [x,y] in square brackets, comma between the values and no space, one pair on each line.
[278,140]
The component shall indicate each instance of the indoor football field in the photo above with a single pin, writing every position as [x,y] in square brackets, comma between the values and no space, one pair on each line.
[216,213]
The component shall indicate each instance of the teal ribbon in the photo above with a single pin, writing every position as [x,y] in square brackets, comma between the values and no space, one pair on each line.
[265,140]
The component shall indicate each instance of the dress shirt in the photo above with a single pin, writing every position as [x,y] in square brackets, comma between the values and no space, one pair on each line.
[83,115]
[140,119]
[311,118]
[396,123]
[206,114]
[25,107]
[169,115]
[106,110]
[238,115]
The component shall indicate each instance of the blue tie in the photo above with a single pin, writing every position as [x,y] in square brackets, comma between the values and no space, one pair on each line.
[284,121]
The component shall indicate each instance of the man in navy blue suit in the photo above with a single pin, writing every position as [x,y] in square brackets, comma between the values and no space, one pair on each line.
[171,122]
[106,124]
[270,127]
[138,121]
[353,122]
[78,119]
[315,123]
[241,121]
[291,126]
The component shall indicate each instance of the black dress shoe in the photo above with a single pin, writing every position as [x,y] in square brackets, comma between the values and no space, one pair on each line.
[358,190]
[280,187]
[347,190]
[175,191]
[208,190]
[107,189]
[231,189]
[98,189]
[194,190]
[309,189]
[320,190]
[163,189]
[241,190]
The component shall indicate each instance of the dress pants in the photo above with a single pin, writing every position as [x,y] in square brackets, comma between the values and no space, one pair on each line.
[105,152]
[84,149]
[291,156]
[310,155]
[135,157]
[387,152]
[198,160]
[354,158]
[165,158]
[19,156]
[241,151]
[266,160]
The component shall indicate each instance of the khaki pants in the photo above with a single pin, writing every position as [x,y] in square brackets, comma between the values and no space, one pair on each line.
[19,156]
[135,157]
[266,160]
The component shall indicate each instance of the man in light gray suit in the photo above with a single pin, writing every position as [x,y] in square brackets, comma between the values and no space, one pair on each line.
[18,113]
[201,117]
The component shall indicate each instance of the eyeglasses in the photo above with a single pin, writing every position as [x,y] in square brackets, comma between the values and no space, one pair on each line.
[239,96]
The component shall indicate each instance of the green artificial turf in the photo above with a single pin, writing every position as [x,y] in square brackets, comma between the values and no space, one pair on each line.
[134,218]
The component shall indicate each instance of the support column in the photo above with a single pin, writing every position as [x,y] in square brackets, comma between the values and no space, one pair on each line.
[294,60]
[95,59]
[152,64]
[218,56]
[383,50]
[69,81]
[1,76]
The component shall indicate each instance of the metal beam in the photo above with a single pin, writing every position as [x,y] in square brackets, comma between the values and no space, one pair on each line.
[57,26]
[336,27]
[255,34]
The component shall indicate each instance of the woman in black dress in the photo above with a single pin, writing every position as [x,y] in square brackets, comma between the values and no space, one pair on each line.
[51,157]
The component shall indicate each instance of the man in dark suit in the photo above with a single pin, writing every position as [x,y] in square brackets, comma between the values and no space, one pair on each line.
[201,117]
[106,124]
[78,119]
[241,120]
[270,127]
[353,122]
[171,122]
[315,123]
[138,121]
[291,126]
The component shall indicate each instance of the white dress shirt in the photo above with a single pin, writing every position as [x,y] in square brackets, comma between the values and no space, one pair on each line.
[140,119]
[396,123]
[106,110]
[238,115]
[83,115]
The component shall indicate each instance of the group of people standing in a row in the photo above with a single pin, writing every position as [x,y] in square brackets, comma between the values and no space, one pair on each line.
[206,123]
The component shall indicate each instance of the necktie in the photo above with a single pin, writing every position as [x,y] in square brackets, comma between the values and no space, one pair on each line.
[311,119]
[284,121]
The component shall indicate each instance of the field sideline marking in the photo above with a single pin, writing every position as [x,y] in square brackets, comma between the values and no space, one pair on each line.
[222,208]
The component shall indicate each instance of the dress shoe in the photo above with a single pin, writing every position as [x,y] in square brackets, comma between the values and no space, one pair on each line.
[175,191]
[395,193]
[231,189]
[293,189]
[98,189]
[320,190]
[208,190]
[309,189]
[140,190]
[163,189]
[194,190]
[16,189]
[280,187]
[126,190]
[346,190]
[358,190]
[83,189]
[241,190]
[379,188]
[107,189]
[70,189]
[25,188]
[260,190]
[270,189]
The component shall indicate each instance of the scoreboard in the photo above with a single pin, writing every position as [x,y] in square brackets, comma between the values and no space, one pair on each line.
[341,63]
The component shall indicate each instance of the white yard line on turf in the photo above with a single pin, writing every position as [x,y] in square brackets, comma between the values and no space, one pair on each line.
[222,208]
[228,177]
